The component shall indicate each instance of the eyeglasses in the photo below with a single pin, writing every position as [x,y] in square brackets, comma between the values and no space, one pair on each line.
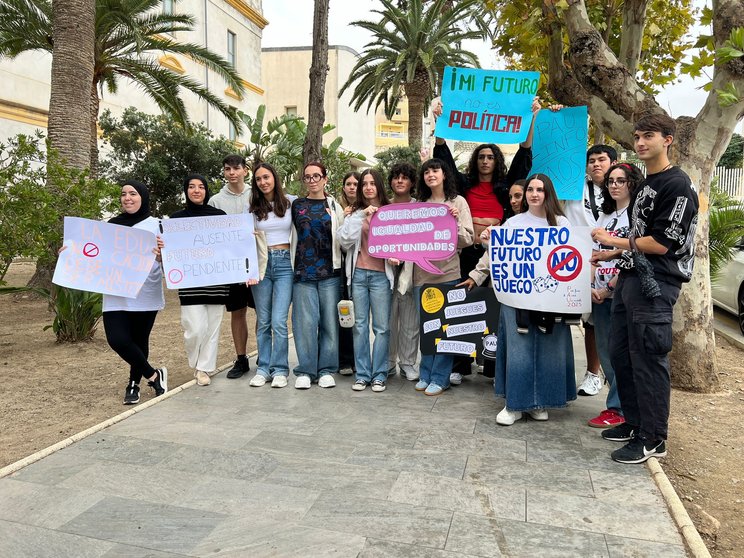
[485,157]
[308,178]
[619,183]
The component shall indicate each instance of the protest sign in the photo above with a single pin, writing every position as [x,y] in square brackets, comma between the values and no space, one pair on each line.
[213,250]
[413,232]
[104,258]
[559,149]
[542,268]
[457,321]
[491,106]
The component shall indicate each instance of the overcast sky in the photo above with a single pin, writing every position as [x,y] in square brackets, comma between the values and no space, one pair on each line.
[684,98]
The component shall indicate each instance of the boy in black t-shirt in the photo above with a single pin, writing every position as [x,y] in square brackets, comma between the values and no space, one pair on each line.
[663,220]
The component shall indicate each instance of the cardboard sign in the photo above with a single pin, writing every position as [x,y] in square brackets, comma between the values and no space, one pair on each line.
[104,258]
[542,268]
[457,321]
[413,232]
[213,250]
[490,106]
[559,149]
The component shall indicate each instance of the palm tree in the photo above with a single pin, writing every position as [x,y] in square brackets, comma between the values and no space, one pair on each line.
[129,36]
[407,56]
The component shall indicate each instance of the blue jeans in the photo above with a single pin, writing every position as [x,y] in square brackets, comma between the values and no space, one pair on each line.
[371,291]
[273,295]
[315,326]
[434,369]
[601,313]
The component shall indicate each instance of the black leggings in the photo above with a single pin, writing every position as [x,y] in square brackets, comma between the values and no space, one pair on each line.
[128,334]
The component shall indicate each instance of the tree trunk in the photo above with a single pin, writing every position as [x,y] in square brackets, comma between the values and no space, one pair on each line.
[416,92]
[617,101]
[311,149]
[72,73]
[93,131]
[73,25]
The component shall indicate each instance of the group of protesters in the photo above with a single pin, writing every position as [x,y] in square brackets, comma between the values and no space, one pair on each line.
[313,256]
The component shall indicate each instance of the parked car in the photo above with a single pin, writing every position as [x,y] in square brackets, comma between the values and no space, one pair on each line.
[728,288]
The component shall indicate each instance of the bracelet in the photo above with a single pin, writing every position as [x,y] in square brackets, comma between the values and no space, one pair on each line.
[610,288]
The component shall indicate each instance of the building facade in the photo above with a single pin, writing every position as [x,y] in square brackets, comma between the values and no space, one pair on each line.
[285,78]
[230,28]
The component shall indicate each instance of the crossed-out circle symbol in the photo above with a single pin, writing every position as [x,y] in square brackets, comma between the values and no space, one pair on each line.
[559,269]
[90,250]
[175,276]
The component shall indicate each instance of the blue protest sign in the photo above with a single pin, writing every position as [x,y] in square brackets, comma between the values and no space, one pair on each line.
[491,106]
[559,149]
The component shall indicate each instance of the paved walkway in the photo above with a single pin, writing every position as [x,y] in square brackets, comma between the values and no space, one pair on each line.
[231,470]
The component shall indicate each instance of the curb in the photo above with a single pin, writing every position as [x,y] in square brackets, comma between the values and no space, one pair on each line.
[41,454]
[692,538]
[733,339]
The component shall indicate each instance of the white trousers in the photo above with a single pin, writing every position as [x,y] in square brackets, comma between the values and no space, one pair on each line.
[201,334]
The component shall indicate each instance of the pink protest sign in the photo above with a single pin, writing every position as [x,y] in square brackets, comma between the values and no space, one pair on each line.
[413,232]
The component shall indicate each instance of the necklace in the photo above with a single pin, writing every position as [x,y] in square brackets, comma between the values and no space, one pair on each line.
[618,214]
[669,166]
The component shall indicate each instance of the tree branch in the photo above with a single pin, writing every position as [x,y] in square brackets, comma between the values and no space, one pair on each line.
[631,39]
[601,74]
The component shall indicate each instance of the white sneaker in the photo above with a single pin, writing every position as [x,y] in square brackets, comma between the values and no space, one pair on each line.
[591,384]
[279,382]
[410,375]
[258,380]
[455,378]
[202,378]
[302,382]
[326,381]
[539,414]
[507,417]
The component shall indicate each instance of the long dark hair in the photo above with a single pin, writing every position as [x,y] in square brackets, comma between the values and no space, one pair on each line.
[382,199]
[260,206]
[634,176]
[499,170]
[450,190]
[552,206]
[343,201]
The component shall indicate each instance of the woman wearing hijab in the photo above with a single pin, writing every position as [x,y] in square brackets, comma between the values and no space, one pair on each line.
[202,308]
[128,321]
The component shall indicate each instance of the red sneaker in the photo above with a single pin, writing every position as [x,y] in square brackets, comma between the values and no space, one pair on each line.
[606,419]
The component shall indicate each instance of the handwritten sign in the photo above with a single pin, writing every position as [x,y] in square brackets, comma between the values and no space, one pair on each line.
[559,149]
[542,268]
[455,320]
[214,250]
[413,232]
[492,106]
[104,258]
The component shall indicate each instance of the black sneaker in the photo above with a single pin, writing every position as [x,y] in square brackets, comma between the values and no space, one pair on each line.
[131,395]
[240,367]
[639,450]
[160,383]
[620,433]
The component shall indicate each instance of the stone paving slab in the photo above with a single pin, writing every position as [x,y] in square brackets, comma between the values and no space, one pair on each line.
[234,471]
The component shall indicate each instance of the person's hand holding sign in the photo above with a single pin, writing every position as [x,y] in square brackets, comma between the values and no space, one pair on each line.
[158,246]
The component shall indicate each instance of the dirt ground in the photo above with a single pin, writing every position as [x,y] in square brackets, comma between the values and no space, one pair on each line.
[52,391]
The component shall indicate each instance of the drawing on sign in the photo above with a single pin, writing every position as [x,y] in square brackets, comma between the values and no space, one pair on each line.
[90,250]
[564,263]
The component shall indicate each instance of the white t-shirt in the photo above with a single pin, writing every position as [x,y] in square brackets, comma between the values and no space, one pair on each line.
[150,296]
[277,229]
[617,224]
[579,212]
[527,219]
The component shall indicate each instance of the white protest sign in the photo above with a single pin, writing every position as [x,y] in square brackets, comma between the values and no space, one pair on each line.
[104,258]
[212,250]
[542,268]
